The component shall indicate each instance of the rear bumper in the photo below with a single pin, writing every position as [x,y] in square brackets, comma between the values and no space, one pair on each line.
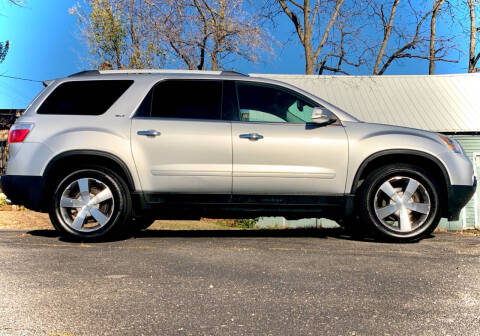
[458,197]
[24,190]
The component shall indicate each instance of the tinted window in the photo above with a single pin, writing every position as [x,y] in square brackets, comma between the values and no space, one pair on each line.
[84,97]
[269,104]
[187,99]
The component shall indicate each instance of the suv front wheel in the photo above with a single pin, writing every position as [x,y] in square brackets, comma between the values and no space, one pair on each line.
[90,203]
[400,202]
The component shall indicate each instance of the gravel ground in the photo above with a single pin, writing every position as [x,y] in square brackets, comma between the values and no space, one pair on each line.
[271,282]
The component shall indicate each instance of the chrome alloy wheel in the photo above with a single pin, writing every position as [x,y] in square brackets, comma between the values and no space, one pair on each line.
[402,204]
[86,204]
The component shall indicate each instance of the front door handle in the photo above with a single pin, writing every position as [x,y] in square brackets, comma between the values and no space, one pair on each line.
[150,133]
[251,136]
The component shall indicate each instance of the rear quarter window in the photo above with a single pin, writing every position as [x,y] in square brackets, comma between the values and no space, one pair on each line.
[84,97]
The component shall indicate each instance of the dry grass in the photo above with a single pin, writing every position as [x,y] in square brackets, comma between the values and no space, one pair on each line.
[190,225]
[18,218]
[22,219]
[469,233]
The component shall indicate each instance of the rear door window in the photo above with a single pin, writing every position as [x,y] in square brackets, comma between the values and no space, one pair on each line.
[84,97]
[184,99]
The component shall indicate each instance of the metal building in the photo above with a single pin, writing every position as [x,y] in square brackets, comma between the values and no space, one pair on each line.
[448,104]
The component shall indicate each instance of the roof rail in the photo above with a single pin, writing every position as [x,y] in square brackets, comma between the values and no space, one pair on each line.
[172,71]
[85,73]
[233,73]
[155,71]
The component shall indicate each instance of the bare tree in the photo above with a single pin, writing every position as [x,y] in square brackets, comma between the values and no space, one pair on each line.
[306,17]
[15,2]
[387,30]
[473,56]
[437,5]
[408,45]
[208,33]
[338,56]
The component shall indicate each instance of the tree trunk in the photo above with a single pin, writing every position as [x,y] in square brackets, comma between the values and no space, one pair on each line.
[437,4]
[214,57]
[309,58]
[386,36]
[135,59]
[473,35]
[309,61]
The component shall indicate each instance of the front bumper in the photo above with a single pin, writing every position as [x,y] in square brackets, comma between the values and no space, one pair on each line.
[458,197]
[24,190]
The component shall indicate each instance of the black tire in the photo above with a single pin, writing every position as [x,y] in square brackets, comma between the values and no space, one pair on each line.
[400,173]
[120,206]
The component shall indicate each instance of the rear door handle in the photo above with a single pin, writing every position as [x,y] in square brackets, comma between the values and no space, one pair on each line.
[151,133]
[251,136]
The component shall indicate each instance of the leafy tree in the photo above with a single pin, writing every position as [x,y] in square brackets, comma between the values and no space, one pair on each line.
[118,35]
[5,46]
[3,50]
[201,34]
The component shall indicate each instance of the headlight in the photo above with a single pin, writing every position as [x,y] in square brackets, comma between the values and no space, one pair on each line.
[453,144]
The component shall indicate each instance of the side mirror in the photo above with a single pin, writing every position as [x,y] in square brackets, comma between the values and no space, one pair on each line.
[321,115]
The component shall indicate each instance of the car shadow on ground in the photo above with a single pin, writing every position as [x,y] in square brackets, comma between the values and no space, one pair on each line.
[337,233]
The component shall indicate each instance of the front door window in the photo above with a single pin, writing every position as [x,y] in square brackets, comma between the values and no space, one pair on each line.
[258,103]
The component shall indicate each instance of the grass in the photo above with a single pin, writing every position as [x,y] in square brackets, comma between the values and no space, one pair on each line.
[3,199]
[204,224]
[13,219]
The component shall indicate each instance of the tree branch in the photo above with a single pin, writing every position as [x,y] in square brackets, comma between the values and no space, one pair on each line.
[294,18]
[328,28]
[386,36]
[407,46]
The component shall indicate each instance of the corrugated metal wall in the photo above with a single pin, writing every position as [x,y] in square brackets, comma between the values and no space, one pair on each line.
[440,103]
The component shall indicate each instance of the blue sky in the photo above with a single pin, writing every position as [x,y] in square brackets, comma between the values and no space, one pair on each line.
[45,44]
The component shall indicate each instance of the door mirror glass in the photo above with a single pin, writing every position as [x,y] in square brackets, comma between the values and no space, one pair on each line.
[321,115]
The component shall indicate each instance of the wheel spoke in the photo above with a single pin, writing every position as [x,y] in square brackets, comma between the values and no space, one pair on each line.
[84,190]
[409,203]
[386,211]
[423,208]
[101,197]
[86,200]
[410,190]
[387,188]
[405,223]
[67,202]
[80,218]
[98,215]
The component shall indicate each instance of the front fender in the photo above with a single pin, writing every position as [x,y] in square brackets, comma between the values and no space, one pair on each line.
[370,141]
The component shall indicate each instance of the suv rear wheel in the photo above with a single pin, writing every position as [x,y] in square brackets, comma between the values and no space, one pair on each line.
[90,203]
[400,202]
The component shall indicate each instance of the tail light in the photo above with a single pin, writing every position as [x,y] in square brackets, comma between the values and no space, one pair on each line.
[19,132]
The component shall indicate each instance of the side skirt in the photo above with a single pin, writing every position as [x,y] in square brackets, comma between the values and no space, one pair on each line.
[192,206]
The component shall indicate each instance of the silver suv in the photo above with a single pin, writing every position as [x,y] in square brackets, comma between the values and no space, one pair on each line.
[109,151]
